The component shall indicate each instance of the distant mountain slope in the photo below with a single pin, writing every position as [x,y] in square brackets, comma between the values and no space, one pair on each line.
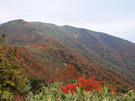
[93,53]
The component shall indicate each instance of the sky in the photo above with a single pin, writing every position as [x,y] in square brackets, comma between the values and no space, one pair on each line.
[114,17]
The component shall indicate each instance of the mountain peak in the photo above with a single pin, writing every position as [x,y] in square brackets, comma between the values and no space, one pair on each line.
[17,21]
[20,20]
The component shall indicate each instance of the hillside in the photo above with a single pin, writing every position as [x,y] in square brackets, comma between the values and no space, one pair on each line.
[47,47]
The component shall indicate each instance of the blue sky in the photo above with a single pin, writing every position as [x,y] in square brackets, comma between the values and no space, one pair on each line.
[115,17]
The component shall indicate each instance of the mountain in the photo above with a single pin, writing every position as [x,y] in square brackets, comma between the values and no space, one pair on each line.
[47,47]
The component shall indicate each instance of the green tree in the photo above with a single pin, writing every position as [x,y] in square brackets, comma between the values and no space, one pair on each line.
[12,78]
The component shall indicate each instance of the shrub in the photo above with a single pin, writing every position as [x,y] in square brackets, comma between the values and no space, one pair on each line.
[70,87]
[90,84]
[12,78]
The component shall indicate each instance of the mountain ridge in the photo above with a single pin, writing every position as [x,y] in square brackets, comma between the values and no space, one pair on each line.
[98,49]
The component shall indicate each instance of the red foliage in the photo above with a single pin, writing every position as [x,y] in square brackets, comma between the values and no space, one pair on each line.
[70,87]
[89,85]
[31,67]
[69,72]
[19,98]
[114,91]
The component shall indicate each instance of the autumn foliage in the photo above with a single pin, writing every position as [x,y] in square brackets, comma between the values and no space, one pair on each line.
[90,84]
[12,77]
[70,87]
[67,73]
[114,91]
[87,85]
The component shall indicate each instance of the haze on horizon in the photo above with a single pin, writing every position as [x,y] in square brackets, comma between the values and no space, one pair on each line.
[115,17]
